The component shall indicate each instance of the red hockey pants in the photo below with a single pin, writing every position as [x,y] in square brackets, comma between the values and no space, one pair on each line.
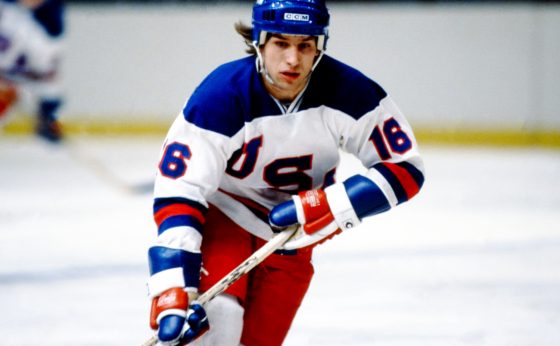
[270,294]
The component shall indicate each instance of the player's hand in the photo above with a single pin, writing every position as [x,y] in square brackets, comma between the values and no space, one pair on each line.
[197,322]
[168,315]
[177,322]
[324,213]
[311,210]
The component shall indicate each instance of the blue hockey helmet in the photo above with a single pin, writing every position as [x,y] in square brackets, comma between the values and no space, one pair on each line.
[292,17]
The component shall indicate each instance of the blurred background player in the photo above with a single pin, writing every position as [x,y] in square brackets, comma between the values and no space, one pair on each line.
[256,149]
[31,42]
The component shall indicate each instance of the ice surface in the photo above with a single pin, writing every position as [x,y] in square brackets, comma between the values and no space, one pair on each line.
[473,260]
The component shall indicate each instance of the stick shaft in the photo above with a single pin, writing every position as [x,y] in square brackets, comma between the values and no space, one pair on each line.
[251,262]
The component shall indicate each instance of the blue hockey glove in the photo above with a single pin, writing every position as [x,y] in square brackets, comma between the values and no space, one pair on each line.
[168,314]
[175,314]
[325,213]
[197,321]
[177,322]
[311,210]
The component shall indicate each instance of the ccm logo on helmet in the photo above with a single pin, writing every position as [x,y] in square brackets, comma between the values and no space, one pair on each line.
[296,17]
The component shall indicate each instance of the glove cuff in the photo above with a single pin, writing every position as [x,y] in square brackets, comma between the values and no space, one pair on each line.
[341,207]
[164,280]
[299,209]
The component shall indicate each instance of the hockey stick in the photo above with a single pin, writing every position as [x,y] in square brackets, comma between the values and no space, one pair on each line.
[251,262]
[100,169]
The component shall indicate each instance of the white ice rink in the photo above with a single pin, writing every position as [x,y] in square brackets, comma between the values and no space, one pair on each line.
[473,260]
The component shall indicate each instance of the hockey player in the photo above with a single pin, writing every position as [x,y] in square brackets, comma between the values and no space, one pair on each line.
[254,150]
[31,40]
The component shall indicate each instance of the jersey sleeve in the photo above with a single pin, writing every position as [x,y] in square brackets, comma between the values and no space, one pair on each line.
[192,164]
[384,142]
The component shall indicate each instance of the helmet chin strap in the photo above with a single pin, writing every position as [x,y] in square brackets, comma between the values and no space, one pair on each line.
[321,53]
[260,64]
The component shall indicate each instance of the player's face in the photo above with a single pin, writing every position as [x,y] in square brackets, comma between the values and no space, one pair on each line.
[288,60]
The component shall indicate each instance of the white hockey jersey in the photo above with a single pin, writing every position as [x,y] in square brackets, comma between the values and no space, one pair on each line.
[238,148]
[26,51]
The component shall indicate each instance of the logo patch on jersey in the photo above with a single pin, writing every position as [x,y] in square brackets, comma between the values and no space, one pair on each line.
[298,17]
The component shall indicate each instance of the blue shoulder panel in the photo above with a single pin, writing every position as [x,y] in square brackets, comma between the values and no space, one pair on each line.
[234,94]
[339,86]
[228,97]
[50,15]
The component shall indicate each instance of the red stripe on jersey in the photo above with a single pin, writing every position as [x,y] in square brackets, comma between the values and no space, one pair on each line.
[178,209]
[405,178]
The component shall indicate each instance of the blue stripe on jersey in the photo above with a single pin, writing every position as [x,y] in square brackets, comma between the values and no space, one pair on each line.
[162,258]
[258,213]
[160,203]
[365,196]
[180,220]
[416,174]
[397,187]
[228,97]
[234,94]
[258,210]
